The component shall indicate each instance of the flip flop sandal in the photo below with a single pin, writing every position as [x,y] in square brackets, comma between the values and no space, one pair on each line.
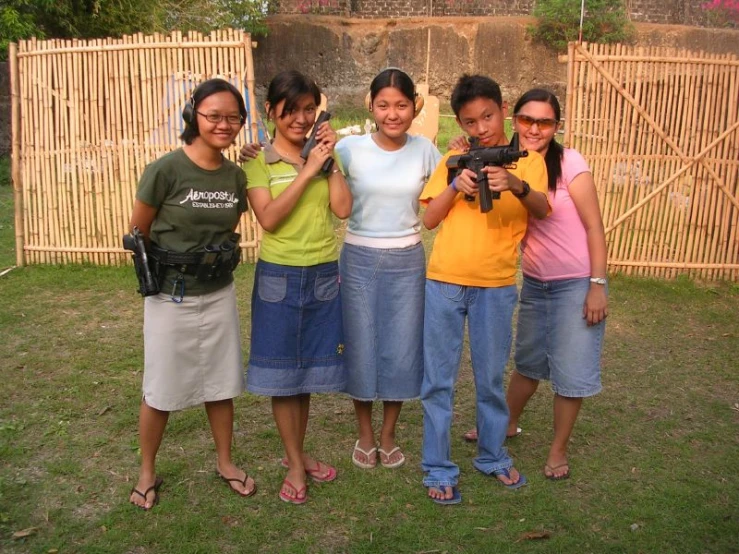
[237,480]
[455,499]
[512,486]
[371,454]
[551,469]
[317,473]
[386,456]
[155,487]
[301,496]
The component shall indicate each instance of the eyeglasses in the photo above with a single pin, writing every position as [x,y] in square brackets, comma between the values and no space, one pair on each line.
[527,122]
[217,118]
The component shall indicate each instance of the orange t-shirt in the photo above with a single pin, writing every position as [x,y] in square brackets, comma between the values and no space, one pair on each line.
[476,249]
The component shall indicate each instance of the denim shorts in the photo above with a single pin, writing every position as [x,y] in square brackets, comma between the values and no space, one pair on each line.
[382,295]
[554,341]
[297,339]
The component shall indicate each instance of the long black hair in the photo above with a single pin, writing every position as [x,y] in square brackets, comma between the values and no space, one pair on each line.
[553,157]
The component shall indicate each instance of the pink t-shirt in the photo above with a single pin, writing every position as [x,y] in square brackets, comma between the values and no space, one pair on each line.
[557,247]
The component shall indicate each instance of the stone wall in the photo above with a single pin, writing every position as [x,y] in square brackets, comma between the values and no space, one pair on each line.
[673,12]
[343,54]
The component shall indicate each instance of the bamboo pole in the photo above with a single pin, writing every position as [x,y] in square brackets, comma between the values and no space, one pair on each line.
[27,177]
[672,265]
[124,45]
[714,121]
[674,197]
[633,58]
[686,125]
[732,248]
[569,95]
[15,164]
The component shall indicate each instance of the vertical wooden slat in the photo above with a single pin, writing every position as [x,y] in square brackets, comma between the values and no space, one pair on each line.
[15,167]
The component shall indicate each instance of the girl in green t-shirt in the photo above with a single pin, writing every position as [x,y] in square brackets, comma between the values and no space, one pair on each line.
[187,200]
[297,336]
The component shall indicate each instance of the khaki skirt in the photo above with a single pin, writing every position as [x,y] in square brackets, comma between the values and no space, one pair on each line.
[192,350]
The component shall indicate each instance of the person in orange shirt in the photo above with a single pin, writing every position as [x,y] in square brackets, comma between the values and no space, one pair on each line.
[472,275]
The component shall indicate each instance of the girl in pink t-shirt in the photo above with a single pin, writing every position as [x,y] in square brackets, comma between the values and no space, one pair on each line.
[563,302]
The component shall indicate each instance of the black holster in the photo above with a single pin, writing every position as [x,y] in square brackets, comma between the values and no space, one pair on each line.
[146,268]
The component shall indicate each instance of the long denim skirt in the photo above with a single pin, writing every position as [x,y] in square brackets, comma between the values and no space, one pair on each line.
[382,292]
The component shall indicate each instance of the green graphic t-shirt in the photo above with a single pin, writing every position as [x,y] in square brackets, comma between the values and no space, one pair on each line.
[195,207]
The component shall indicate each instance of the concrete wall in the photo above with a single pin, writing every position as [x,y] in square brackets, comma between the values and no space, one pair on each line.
[344,54]
[674,12]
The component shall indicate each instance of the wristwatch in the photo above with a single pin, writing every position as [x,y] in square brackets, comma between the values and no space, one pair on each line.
[598,280]
[525,192]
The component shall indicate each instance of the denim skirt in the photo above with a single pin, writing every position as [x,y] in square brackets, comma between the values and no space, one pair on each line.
[297,343]
[554,341]
[382,293]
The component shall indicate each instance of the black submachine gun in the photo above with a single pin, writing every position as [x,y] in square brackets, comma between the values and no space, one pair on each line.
[478,157]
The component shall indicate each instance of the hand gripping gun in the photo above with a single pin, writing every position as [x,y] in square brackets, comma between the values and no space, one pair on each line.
[148,284]
[478,157]
[311,142]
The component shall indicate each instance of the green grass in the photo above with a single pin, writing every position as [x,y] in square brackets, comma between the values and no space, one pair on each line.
[654,457]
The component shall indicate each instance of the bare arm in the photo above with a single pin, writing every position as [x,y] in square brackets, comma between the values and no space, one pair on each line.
[142,217]
[271,212]
[584,196]
[339,195]
[438,208]
[500,179]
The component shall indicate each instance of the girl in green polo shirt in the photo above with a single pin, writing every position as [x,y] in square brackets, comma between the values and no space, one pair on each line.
[297,337]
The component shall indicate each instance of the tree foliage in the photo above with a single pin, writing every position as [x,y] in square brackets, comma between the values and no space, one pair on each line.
[20,19]
[558,22]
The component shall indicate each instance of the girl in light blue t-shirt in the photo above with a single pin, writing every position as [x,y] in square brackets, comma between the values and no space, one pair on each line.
[382,264]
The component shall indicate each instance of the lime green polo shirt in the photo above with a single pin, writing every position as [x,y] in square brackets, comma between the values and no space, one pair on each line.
[306,237]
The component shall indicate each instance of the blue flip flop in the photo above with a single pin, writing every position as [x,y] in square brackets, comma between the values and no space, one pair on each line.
[455,499]
[505,473]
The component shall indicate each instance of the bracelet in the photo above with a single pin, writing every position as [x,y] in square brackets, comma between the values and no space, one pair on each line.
[453,184]
[598,280]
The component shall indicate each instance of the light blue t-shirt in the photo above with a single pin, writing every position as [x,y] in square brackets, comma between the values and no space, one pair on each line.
[386,185]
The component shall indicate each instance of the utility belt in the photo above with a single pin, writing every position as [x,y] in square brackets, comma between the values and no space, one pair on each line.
[207,265]
[152,263]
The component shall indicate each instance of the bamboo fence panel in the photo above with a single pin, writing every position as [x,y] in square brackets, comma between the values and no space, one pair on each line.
[88,116]
[660,129]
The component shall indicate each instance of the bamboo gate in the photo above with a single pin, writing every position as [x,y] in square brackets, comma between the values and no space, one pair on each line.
[660,129]
[87,116]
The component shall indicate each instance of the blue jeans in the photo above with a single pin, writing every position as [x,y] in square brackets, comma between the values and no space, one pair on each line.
[489,312]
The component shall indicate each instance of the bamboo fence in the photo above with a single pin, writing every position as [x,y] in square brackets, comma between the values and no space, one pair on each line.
[87,116]
[660,129]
